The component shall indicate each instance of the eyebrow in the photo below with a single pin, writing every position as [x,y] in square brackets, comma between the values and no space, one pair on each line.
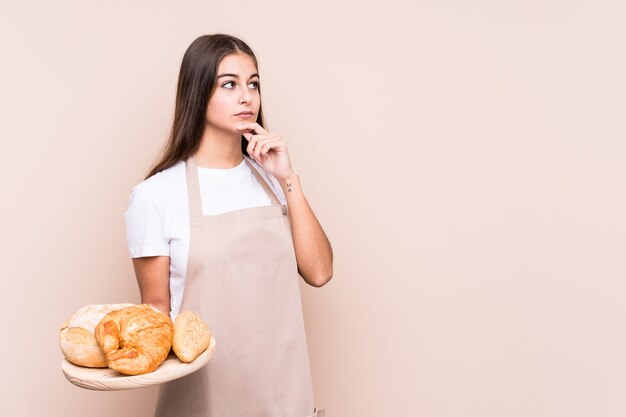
[236,76]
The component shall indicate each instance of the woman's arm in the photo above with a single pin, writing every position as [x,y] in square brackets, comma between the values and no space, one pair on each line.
[153,277]
[313,251]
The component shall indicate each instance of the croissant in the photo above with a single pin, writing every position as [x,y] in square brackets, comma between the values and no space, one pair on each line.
[135,340]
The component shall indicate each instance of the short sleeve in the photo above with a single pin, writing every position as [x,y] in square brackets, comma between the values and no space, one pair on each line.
[144,225]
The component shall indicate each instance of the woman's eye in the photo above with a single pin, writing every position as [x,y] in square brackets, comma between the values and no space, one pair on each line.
[230,84]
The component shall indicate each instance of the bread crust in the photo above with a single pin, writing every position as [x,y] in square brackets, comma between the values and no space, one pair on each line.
[191,336]
[136,339]
[77,340]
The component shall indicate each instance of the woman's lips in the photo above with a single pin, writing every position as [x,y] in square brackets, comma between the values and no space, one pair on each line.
[244,115]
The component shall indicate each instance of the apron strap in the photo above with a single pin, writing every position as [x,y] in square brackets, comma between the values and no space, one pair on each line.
[193,186]
[268,190]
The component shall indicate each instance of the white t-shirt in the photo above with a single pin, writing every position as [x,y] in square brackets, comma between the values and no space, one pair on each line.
[157,218]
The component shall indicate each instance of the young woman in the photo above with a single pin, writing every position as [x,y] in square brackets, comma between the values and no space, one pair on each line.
[220,226]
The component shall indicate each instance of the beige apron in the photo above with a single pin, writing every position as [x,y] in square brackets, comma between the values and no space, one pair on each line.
[242,279]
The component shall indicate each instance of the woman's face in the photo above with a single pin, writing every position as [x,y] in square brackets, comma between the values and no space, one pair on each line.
[235,97]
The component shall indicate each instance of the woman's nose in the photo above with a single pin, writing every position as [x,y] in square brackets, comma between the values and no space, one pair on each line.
[245,96]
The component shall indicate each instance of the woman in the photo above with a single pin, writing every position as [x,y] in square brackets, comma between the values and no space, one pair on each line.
[221,227]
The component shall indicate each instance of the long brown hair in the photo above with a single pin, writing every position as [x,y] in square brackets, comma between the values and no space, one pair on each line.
[196,81]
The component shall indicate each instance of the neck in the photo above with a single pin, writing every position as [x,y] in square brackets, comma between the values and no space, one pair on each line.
[219,149]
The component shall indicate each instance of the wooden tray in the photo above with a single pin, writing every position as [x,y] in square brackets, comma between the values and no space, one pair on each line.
[105,379]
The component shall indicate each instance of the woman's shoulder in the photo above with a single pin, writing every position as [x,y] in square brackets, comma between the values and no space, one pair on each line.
[153,206]
[164,185]
[166,178]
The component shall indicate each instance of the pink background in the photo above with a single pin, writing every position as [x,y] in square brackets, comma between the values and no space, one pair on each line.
[466,159]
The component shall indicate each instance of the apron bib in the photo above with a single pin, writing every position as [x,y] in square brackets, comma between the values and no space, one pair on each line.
[242,279]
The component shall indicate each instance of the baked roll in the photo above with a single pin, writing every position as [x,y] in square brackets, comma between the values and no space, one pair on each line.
[191,336]
[77,340]
[135,340]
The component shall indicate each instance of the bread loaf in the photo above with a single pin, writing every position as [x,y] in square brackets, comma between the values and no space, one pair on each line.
[77,339]
[191,336]
[135,340]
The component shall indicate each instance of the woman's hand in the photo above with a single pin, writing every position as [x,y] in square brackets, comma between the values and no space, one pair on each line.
[314,254]
[268,149]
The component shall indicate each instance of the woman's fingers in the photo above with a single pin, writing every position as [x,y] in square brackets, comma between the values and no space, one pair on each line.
[260,144]
[252,142]
[269,150]
[263,147]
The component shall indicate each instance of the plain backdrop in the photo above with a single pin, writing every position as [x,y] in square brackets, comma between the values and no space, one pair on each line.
[466,160]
